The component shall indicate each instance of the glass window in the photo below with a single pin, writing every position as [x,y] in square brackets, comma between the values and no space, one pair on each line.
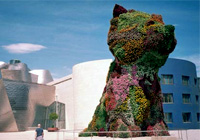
[198,117]
[195,81]
[185,80]
[186,117]
[14,61]
[197,99]
[168,117]
[186,98]
[167,79]
[167,98]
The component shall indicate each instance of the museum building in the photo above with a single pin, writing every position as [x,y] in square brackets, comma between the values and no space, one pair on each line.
[180,88]
[27,97]
[82,90]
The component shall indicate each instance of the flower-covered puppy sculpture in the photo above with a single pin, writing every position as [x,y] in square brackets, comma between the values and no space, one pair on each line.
[132,98]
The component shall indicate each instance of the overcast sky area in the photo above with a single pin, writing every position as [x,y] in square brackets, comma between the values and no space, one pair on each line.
[56,35]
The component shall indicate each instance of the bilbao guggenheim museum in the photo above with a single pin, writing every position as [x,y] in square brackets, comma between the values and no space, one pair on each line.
[27,97]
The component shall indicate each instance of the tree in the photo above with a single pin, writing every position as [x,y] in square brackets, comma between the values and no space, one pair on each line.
[53,116]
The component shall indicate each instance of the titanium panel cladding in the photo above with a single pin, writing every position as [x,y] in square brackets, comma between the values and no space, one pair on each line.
[28,102]
[7,120]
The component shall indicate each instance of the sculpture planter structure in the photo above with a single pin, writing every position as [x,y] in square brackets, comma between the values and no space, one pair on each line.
[132,98]
[53,129]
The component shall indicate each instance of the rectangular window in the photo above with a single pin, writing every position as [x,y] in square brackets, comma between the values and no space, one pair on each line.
[195,81]
[197,99]
[186,117]
[167,79]
[198,117]
[186,98]
[168,117]
[167,98]
[185,80]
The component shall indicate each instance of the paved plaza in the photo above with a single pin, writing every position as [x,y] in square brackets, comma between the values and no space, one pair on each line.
[66,135]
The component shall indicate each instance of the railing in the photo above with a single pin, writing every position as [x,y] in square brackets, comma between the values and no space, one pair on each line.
[114,135]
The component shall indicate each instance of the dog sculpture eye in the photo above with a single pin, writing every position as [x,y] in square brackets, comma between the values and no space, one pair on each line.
[150,23]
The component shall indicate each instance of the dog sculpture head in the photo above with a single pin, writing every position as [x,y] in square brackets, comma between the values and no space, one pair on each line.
[135,35]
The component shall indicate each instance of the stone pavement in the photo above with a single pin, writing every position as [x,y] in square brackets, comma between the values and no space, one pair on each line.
[63,135]
[29,135]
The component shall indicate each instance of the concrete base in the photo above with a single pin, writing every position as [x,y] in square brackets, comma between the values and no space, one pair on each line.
[163,138]
[138,138]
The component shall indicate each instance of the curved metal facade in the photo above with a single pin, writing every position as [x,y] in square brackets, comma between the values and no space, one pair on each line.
[180,90]
[43,76]
[24,102]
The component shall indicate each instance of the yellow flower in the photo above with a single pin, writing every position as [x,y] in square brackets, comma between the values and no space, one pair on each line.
[143,104]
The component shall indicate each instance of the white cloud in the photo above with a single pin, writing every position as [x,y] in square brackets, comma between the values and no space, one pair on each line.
[175,25]
[193,58]
[22,48]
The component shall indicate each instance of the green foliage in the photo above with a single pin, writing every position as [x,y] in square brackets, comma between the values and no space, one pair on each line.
[131,19]
[133,103]
[123,134]
[149,64]
[111,69]
[168,32]
[85,135]
[143,103]
[101,119]
[123,107]
[119,52]
[139,104]
[53,116]
[155,114]
[114,21]
[128,68]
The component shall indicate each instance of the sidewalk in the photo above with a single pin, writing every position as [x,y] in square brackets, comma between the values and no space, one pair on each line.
[30,135]
[66,135]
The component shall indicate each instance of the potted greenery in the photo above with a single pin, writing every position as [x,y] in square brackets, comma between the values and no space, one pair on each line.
[53,116]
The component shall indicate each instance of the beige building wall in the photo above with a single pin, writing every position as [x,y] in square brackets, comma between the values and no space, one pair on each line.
[64,94]
[89,80]
[81,92]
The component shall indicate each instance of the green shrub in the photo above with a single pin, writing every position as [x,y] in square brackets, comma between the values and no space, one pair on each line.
[123,134]
[53,116]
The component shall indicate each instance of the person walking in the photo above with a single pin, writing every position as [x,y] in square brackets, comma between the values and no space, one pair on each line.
[39,134]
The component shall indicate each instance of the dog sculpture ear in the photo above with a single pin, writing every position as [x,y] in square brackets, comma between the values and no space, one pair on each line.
[118,10]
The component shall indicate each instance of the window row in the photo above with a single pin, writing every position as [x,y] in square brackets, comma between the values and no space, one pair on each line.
[186,98]
[168,80]
[186,117]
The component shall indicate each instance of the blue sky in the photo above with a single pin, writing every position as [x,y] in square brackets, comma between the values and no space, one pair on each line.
[70,32]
